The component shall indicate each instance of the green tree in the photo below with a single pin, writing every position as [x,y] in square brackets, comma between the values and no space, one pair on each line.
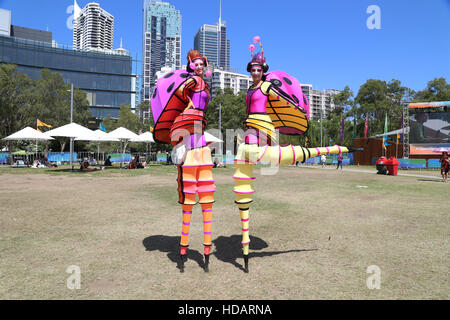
[378,98]
[144,106]
[128,119]
[344,103]
[233,110]
[15,89]
[131,121]
[51,104]
[437,90]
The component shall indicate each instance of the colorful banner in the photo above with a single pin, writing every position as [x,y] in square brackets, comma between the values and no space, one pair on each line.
[41,124]
[427,148]
[437,104]
[385,144]
[117,157]
[366,126]
[61,157]
[162,157]
[4,157]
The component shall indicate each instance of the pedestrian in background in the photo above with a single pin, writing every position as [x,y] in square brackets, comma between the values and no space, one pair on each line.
[339,159]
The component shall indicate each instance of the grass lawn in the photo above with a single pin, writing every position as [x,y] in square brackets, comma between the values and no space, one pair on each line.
[314,233]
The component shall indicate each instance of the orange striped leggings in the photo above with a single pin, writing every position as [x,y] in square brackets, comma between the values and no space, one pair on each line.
[195,177]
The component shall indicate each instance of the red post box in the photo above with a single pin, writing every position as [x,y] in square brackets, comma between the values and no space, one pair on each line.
[388,163]
[393,166]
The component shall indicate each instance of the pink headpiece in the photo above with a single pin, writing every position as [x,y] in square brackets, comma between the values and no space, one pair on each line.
[194,55]
[259,57]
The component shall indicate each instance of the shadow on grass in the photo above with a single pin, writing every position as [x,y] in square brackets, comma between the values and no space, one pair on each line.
[431,180]
[98,168]
[228,249]
[75,170]
[171,245]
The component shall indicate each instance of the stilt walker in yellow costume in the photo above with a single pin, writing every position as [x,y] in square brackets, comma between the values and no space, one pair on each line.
[275,101]
[179,103]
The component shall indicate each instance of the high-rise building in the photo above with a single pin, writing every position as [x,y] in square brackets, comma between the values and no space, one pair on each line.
[223,79]
[161,42]
[106,77]
[211,41]
[319,101]
[5,22]
[93,28]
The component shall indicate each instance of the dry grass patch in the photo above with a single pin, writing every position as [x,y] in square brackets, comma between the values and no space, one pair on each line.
[313,232]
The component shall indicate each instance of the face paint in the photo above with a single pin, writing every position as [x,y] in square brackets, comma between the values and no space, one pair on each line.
[256,72]
[199,67]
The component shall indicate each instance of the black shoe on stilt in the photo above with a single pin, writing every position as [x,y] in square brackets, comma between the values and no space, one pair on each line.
[181,263]
[182,260]
[206,262]
[183,256]
[246,263]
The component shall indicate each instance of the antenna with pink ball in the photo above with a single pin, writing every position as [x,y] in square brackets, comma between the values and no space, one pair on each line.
[251,48]
[208,73]
[257,39]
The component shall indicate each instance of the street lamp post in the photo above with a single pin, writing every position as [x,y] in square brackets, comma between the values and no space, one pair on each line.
[321,142]
[220,132]
[71,120]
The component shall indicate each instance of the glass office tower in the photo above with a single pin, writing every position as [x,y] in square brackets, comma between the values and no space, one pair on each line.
[211,41]
[107,79]
[161,42]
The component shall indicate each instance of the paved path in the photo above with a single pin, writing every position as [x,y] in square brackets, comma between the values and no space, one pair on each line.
[400,173]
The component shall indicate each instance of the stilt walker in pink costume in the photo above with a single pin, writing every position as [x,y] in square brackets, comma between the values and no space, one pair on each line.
[275,101]
[179,102]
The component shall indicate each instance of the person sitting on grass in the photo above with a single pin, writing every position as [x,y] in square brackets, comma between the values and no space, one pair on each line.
[36,163]
[108,162]
[138,163]
[220,165]
[85,166]
[135,163]
[92,161]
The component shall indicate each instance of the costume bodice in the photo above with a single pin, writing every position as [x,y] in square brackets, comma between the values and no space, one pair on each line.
[256,101]
[200,100]
[200,97]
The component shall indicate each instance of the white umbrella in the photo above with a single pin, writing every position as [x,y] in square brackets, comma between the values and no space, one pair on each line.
[210,138]
[71,130]
[144,137]
[124,135]
[98,136]
[104,136]
[28,133]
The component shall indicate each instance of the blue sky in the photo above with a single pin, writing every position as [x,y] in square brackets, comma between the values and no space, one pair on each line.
[325,43]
